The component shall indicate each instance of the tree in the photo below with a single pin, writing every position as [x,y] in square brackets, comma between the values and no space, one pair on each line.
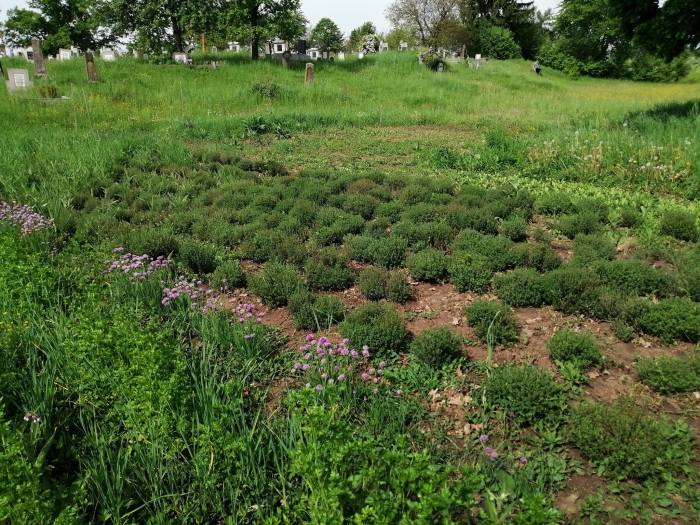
[665,30]
[431,17]
[403,33]
[357,34]
[326,36]
[57,23]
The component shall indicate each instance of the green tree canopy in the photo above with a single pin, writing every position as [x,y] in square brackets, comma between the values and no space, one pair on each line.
[356,35]
[326,35]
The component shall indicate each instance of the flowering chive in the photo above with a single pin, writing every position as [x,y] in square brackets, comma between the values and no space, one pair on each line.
[483,438]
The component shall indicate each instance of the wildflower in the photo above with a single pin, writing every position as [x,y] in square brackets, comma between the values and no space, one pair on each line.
[371,371]
[324,376]
[483,438]
[382,364]
[293,370]
[523,460]
[375,391]
[488,450]
[341,377]
[399,392]
[308,385]
[365,353]
[310,337]
[306,367]
[307,356]
[494,455]
[319,387]
[376,380]
[365,376]
[354,354]
[330,381]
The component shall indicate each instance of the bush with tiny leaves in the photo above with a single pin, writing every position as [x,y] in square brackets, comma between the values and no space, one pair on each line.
[397,288]
[314,311]
[675,319]
[376,325]
[436,347]
[428,265]
[513,228]
[578,348]
[522,287]
[681,225]
[469,272]
[199,257]
[372,283]
[494,317]
[229,274]
[276,283]
[668,375]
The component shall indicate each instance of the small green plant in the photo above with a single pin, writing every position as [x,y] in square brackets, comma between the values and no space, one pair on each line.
[635,277]
[566,287]
[265,89]
[513,228]
[673,320]
[535,255]
[428,265]
[668,375]
[499,317]
[577,348]
[585,223]
[528,393]
[469,272]
[680,225]
[436,347]
[629,217]
[315,311]
[154,242]
[47,92]
[522,287]
[554,204]
[377,326]
[372,283]
[627,443]
[276,283]
[229,274]
[199,257]
[329,270]
[397,288]
[622,330]
[496,250]
[389,253]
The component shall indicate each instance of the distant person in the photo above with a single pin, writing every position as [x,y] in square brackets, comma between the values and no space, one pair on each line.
[536,67]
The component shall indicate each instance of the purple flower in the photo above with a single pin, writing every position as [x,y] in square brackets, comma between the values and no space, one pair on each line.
[306,367]
[365,376]
[483,438]
[293,370]
[330,381]
[375,391]
[307,356]
[399,392]
[523,460]
[341,377]
[382,364]
[319,387]
[310,337]
[494,455]
[488,450]
[117,250]
[324,376]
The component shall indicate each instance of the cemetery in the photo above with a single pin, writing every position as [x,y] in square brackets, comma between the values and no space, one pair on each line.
[313,279]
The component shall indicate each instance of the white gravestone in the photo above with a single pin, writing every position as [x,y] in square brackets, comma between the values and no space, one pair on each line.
[108,55]
[18,79]
[383,47]
[181,57]
[361,56]
[477,57]
[65,54]
[341,56]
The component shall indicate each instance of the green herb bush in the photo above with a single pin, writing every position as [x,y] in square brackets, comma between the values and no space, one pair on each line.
[261,246]
[397,288]
[629,217]
[680,225]
[523,287]
[391,210]
[496,250]
[315,311]
[626,442]
[668,375]
[376,325]
[564,288]
[276,283]
[154,242]
[414,194]
[436,347]
[483,314]
[585,223]
[229,274]
[372,283]
[389,253]
[539,256]
[675,319]
[554,204]
[362,205]
[428,265]
[513,228]
[329,270]
[635,277]
[577,348]
[199,257]
[528,394]
[469,272]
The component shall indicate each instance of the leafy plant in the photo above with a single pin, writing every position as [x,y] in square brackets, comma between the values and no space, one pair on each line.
[679,224]
[276,283]
[229,274]
[668,375]
[372,283]
[493,316]
[469,272]
[199,257]
[377,326]
[577,348]
[397,288]
[314,311]
[675,319]
[436,347]
[428,265]
[513,228]
[520,288]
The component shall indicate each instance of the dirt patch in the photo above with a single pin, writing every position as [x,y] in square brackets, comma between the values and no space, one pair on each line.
[577,489]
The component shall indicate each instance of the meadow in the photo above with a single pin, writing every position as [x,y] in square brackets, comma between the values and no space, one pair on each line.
[392,296]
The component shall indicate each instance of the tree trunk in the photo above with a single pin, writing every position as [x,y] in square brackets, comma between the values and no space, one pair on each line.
[255,42]
[177,34]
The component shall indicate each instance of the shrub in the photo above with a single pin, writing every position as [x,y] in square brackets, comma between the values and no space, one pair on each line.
[362,205]
[496,250]
[392,210]
[622,330]
[595,207]
[416,236]
[589,248]
[389,253]
[229,274]
[496,42]
[484,314]
[528,393]
[520,288]
[372,283]
[376,325]
[360,247]
[469,272]
[534,255]
[315,312]
[577,348]
[261,247]
[513,228]
[378,227]
[436,347]
[292,251]
[679,225]
[634,276]
[428,265]
[673,320]
[586,222]
[199,257]
[554,204]
[276,283]
[564,288]
[668,375]
[397,288]
[629,217]
[329,271]
[265,89]
[47,92]
[626,442]
[154,242]
[419,213]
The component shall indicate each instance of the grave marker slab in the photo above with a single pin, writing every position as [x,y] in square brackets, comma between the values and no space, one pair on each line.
[309,74]
[287,59]
[181,57]
[108,55]
[65,54]
[18,79]
[341,56]
[90,68]
[39,64]
[361,56]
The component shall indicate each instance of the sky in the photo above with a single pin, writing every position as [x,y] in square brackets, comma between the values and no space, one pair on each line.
[348,14]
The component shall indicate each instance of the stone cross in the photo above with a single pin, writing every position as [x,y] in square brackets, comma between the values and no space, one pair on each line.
[90,66]
[17,79]
[287,59]
[39,64]
[309,74]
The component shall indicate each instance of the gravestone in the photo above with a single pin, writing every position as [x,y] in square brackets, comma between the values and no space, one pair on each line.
[108,55]
[478,65]
[403,46]
[477,57]
[65,54]
[287,59]
[181,57]
[324,55]
[18,79]
[383,47]
[39,64]
[440,67]
[341,56]
[361,56]
[463,53]
[90,68]
[214,49]
[268,49]
[309,74]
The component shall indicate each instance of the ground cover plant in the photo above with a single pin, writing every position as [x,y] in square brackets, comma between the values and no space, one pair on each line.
[170,236]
